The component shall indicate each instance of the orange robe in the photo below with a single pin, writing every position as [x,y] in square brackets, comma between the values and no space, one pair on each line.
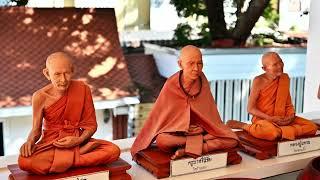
[172,115]
[275,100]
[69,116]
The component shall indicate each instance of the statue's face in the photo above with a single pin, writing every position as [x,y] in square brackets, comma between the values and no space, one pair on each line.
[60,73]
[274,66]
[192,65]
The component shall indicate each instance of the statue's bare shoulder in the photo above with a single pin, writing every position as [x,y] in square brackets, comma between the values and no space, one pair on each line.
[260,82]
[43,97]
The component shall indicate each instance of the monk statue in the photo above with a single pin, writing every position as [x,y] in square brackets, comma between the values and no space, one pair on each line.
[270,104]
[184,119]
[64,118]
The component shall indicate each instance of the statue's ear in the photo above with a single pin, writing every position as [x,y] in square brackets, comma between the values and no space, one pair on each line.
[179,63]
[45,72]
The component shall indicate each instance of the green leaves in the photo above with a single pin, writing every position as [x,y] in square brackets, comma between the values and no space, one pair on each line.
[186,8]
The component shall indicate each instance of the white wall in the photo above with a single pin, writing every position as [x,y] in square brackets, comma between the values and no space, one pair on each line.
[291,14]
[46,3]
[233,63]
[312,103]
[163,16]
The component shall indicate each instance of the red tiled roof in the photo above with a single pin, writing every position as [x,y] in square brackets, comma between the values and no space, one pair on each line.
[145,75]
[28,36]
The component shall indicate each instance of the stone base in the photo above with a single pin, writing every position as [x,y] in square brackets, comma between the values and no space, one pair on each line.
[116,169]
[158,162]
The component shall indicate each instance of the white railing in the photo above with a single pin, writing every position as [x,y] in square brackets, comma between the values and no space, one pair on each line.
[231,97]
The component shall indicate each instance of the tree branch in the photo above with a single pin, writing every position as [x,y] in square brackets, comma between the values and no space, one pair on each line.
[247,20]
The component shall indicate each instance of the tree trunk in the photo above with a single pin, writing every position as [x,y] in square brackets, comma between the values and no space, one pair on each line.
[247,20]
[216,21]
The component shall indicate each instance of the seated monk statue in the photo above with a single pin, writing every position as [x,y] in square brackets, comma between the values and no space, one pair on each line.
[270,104]
[184,119]
[64,118]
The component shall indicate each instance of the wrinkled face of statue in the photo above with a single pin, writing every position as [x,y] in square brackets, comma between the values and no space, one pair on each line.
[191,62]
[273,65]
[59,72]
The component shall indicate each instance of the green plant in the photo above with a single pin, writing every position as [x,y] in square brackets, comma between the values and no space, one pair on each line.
[216,27]
[293,28]
[271,14]
[19,2]
[182,33]
[261,40]
[191,10]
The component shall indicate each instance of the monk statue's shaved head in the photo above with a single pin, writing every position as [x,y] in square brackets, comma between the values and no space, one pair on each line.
[59,58]
[190,51]
[190,62]
[268,57]
[59,70]
[272,64]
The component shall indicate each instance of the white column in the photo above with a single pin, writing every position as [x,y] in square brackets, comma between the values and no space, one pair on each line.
[311,102]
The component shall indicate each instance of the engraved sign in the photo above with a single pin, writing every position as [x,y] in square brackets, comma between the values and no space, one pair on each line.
[298,146]
[90,176]
[203,163]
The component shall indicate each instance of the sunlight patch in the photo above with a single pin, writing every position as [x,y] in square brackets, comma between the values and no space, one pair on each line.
[103,68]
